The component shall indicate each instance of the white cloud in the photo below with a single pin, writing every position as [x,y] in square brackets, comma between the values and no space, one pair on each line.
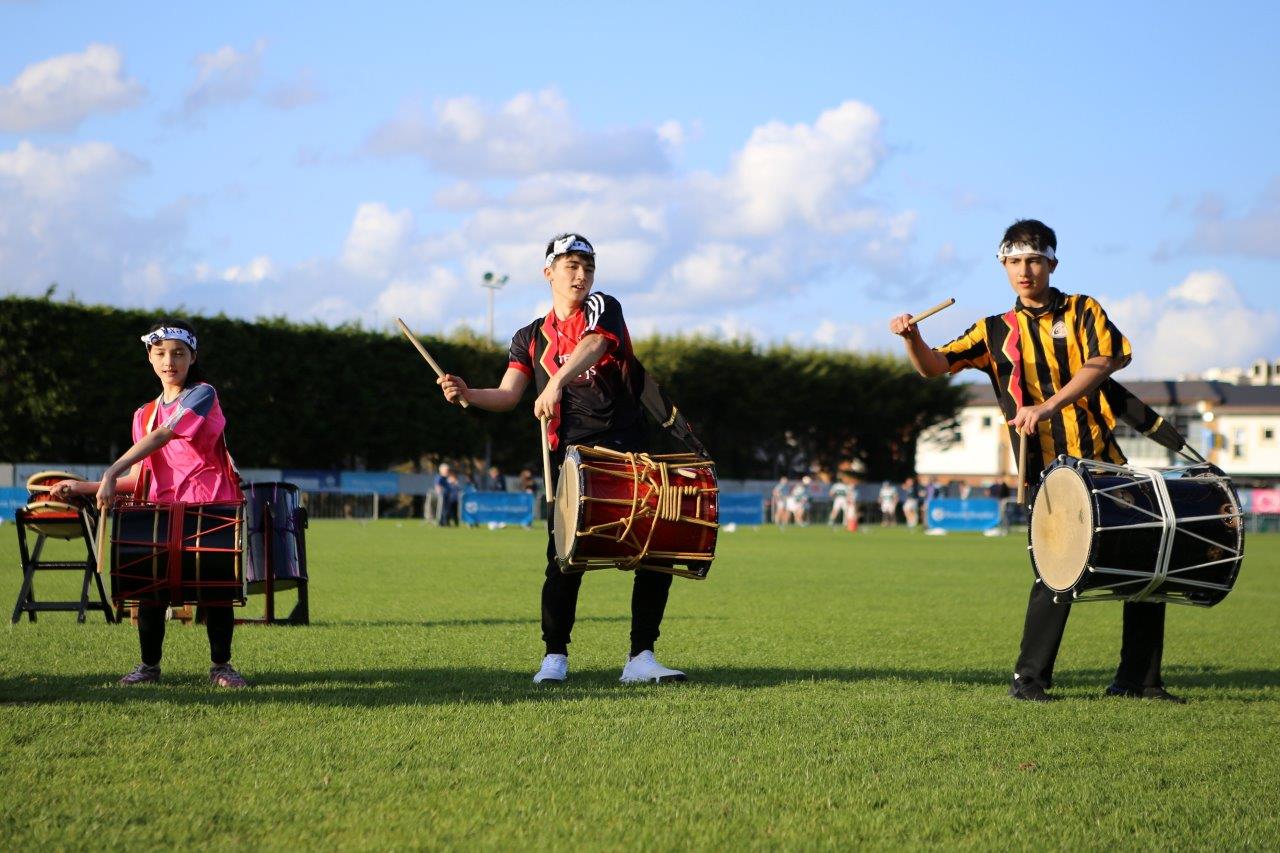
[62,219]
[300,91]
[462,195]
[676,247]
[224,76]
[1201,322]
[423,301]
[377,240]
[65,175]
[61,92]
[531,133]
[803,173]
[259,269]
[1253,233]
[848,336]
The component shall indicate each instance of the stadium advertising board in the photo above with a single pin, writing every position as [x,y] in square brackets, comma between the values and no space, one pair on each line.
[381,482]
[741,508]
[1261,501]
[497,508]
[311,480]
[11,500]
[957,514]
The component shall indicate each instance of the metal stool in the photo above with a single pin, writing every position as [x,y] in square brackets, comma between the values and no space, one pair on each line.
[79,524]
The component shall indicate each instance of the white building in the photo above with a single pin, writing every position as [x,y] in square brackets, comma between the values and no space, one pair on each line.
[1236,427]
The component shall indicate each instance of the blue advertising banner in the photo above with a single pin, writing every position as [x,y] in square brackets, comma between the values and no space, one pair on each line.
[741,508]
[497,508]
[957,514]
[12,500]
[311,480]
[381,482]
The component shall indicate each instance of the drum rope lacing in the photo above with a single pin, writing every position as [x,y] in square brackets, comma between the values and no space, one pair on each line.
[643,468]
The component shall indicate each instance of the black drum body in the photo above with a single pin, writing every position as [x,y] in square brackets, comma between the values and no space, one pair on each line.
[277,545]
[1100,531]
[176,554]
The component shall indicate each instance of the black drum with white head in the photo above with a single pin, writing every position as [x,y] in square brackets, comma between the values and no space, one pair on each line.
[1101,531]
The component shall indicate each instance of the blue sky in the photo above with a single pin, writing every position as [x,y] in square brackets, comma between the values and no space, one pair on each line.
[790,172]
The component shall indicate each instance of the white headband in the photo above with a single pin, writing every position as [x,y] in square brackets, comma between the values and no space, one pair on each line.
[1013,250]
[565,245]
[170,333]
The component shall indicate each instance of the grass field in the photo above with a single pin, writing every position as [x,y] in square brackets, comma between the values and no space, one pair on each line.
[846,690]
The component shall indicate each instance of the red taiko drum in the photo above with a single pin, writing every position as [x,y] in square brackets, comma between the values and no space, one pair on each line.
[636,511]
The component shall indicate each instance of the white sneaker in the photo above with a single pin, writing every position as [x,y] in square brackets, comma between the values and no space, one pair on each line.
[645,668]
[554,668]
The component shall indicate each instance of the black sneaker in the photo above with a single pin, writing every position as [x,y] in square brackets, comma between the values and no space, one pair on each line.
[1158,694]
[1028,691]
[142,674]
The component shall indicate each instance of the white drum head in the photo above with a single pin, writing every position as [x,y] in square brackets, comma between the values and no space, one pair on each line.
[568,503]
[1061,528]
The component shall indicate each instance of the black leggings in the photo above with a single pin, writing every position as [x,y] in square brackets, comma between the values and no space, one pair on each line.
[219,621]
[560,606]
[560,591]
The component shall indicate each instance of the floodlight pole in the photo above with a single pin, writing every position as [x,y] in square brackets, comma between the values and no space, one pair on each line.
[491,282]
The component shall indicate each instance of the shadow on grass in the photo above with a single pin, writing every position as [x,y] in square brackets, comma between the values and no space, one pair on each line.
[450,686]
[485,621]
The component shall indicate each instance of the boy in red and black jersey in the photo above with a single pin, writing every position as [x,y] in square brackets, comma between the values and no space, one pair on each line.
[593,390]
[598,401]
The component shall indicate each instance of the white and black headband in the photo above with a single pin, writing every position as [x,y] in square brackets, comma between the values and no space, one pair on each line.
[1009,249]
[169,333]
[566,244]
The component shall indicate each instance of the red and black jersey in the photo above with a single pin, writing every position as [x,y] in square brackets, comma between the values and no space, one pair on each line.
[602,400]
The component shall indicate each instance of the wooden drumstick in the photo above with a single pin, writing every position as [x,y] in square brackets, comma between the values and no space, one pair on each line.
[546,460]
[1022,469]
[923,315]
[413,339]
[104,516]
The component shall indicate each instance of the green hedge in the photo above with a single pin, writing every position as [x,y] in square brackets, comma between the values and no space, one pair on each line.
[309,396]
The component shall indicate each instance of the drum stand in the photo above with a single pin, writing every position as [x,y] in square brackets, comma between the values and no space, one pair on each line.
[31,563]
[301,613]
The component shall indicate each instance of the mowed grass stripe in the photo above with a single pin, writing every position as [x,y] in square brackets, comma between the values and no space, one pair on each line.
[848,689]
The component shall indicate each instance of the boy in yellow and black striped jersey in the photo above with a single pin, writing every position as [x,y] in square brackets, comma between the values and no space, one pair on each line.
[1047,357]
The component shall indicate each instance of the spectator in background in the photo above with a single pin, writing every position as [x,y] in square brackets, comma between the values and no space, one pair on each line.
[929,491]
[527,483]
[965,491]
[841,502]
[888,504]
[798,502]
[780,494]
[446,496]
[455,495]
[911,502]
[495,481]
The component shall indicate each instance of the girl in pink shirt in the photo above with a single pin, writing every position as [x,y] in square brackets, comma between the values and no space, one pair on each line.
[179,455]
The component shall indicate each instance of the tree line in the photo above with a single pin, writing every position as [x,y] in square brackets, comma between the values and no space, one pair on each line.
[312,396]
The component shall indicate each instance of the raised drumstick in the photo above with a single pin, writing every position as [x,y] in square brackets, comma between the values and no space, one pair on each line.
[923,315]
[413,339]
[546,459]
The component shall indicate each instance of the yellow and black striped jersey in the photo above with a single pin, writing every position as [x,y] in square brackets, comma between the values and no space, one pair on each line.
[1030,354]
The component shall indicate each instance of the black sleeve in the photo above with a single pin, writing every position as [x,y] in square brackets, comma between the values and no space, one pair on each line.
[520,356]
[604,317]
[664,412]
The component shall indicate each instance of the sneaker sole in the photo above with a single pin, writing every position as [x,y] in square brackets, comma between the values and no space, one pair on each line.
[661,679]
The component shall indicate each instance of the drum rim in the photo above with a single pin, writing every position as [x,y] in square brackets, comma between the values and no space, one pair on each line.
[56,476]
[1086,482]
